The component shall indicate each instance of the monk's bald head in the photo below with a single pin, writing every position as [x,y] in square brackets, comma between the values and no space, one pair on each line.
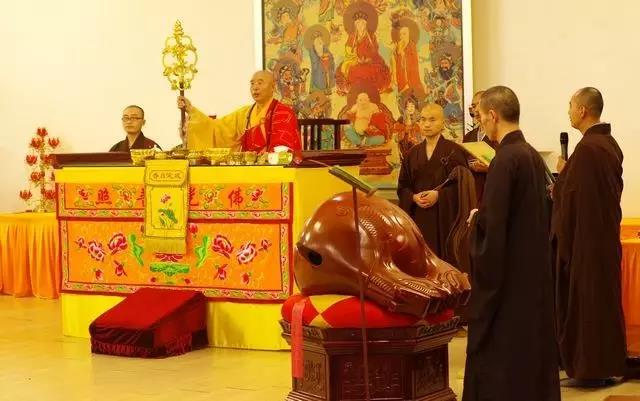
[263,74]
[503,101]
[433,109]
[431,120]
[262,86]
[477,95]
[591,100]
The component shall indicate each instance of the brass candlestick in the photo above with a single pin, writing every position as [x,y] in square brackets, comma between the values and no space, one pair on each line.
[179,59]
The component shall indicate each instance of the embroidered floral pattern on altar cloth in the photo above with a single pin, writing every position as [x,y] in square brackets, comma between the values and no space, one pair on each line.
[119,269]
[96,251]
[246,253]
[239,253]
[241,260]
[117,243]
[221,271]
[222,246]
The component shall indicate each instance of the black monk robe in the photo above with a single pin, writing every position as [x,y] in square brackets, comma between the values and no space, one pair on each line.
[141,142]
[419,173]
[586,235]
[511,349]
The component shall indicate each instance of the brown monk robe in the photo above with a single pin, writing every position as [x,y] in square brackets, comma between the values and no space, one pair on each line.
[477,135]
[426,166]
[511,348]
[586,234]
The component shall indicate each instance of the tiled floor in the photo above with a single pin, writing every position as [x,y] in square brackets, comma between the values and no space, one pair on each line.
[38,363]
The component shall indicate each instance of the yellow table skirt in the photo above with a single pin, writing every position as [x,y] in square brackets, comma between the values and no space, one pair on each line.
[230,325]
[630,228]
[630,273]
[29,255]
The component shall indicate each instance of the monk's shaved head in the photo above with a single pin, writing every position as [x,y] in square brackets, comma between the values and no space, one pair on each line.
[431,120]
[476,98]
[433,109]
[591,99]
[503,101]
[264,75]
[262,86]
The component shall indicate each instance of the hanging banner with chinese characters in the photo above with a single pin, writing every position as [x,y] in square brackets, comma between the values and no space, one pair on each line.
[166,205]
[238,241]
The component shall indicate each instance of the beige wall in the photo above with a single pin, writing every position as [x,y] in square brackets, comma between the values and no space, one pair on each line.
[71,65]
[546,49]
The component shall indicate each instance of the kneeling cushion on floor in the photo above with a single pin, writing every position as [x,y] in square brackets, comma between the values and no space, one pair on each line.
[152,323]
[343,311]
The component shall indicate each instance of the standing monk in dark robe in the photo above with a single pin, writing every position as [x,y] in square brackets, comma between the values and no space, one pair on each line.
[586,235]
[511,349]
[425,167]
[476,135]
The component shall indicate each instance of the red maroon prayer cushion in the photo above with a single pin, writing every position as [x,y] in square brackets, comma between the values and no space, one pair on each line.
[343,311]
[151,323]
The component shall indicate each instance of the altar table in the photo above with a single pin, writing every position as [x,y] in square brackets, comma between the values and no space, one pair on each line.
[243,224]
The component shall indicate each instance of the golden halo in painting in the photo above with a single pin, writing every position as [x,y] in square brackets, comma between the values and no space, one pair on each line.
[313,32]
[282,6]
[414,31]
[358,10]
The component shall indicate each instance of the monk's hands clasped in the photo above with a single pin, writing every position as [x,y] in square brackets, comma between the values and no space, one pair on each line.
[426,199]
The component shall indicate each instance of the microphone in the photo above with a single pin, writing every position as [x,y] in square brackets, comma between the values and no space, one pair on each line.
[564,142]
[352,181]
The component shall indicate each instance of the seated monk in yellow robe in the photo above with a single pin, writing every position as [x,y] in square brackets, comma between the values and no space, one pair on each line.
[259,127]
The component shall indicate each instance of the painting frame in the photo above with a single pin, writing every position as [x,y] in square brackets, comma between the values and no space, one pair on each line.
[388,181]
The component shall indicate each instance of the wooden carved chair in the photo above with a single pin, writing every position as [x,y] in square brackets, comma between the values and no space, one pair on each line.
[311,132]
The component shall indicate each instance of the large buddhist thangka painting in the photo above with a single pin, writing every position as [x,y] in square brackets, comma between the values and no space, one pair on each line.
[373,62]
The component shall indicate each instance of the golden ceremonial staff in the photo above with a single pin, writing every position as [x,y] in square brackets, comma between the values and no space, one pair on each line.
[179,59]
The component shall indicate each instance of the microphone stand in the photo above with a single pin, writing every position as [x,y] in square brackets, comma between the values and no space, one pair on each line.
[357,184]
[548,175]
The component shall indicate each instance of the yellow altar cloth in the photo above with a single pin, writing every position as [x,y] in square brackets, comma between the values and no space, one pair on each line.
[29,255]
[271,202]
[630,273]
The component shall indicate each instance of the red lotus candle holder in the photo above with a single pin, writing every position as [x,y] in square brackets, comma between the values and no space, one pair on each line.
[41,195]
